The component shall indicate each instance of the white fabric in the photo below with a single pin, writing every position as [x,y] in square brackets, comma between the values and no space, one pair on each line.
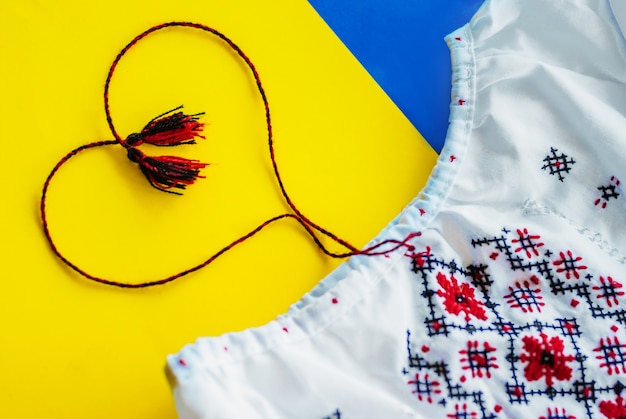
[512,304]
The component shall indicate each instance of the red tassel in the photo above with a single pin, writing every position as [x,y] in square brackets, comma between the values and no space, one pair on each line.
[169,129]
[167,172]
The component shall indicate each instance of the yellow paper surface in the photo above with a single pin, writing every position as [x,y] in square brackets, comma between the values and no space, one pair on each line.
[349,158]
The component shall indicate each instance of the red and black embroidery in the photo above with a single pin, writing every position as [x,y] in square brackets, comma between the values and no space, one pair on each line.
[479,359]
[459,298]
[545,359]
[613,409]
[609,290]
[557,413]
[608,192]
[558,164]
[536,357]
[528,243]
[504,245]
[525,295]
[425,387]
[438,372]
[611,353]
[563,272]
[462,411]
[569,265]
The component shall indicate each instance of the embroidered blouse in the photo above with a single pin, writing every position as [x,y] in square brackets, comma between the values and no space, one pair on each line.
[512,303]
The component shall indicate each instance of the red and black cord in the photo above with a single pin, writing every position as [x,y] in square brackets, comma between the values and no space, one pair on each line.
[172,174]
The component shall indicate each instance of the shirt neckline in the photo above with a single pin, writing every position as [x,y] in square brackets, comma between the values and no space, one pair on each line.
[314,311]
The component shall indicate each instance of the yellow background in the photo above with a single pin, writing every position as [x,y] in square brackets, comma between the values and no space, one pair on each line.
[351,161]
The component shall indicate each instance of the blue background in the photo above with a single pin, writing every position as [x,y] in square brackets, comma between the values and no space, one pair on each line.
[400,43]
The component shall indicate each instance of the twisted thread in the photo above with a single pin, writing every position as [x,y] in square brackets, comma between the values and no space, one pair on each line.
[310,227]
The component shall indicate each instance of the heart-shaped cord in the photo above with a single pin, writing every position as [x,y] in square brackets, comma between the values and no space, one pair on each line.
[171,173]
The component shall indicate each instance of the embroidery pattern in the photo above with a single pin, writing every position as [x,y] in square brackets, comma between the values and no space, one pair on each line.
[558,164]
[424,387]
[557,413]
[454,391]
[545,359]
[568,264]
[528,243]
[608,192]
[539,357]
[462,412]
[459,298]
[610,290]
[613,409]
[525,295]
[479,361]
[612,354]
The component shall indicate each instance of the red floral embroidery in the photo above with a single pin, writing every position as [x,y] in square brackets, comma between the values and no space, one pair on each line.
[546,359]
[459,298]
[608,192]
[613,410]
[610,290]
[424,387]
[526,295]
[480,361]
[557,414]
[568,264]
[612,355]
[527,243]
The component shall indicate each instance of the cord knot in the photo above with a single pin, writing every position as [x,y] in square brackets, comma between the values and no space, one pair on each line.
[171,128]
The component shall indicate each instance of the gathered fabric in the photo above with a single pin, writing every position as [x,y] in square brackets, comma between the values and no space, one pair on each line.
[509,300]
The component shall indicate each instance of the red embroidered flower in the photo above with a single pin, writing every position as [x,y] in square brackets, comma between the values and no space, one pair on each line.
[424,387]
[610,290]
[557,414]
[459,298]
[613,410]
[612,355]
[546,359]
[527,243]
[479,361]
[525,295]
[568,264]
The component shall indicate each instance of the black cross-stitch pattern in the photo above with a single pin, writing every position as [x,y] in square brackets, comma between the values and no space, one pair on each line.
[527,243]
[543,358]
[563,270]
[609,290]
[454,391]
[425,387]
[608,192]
[525,295]
[558,164]
[569,264]
[479,358]
[612,353]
